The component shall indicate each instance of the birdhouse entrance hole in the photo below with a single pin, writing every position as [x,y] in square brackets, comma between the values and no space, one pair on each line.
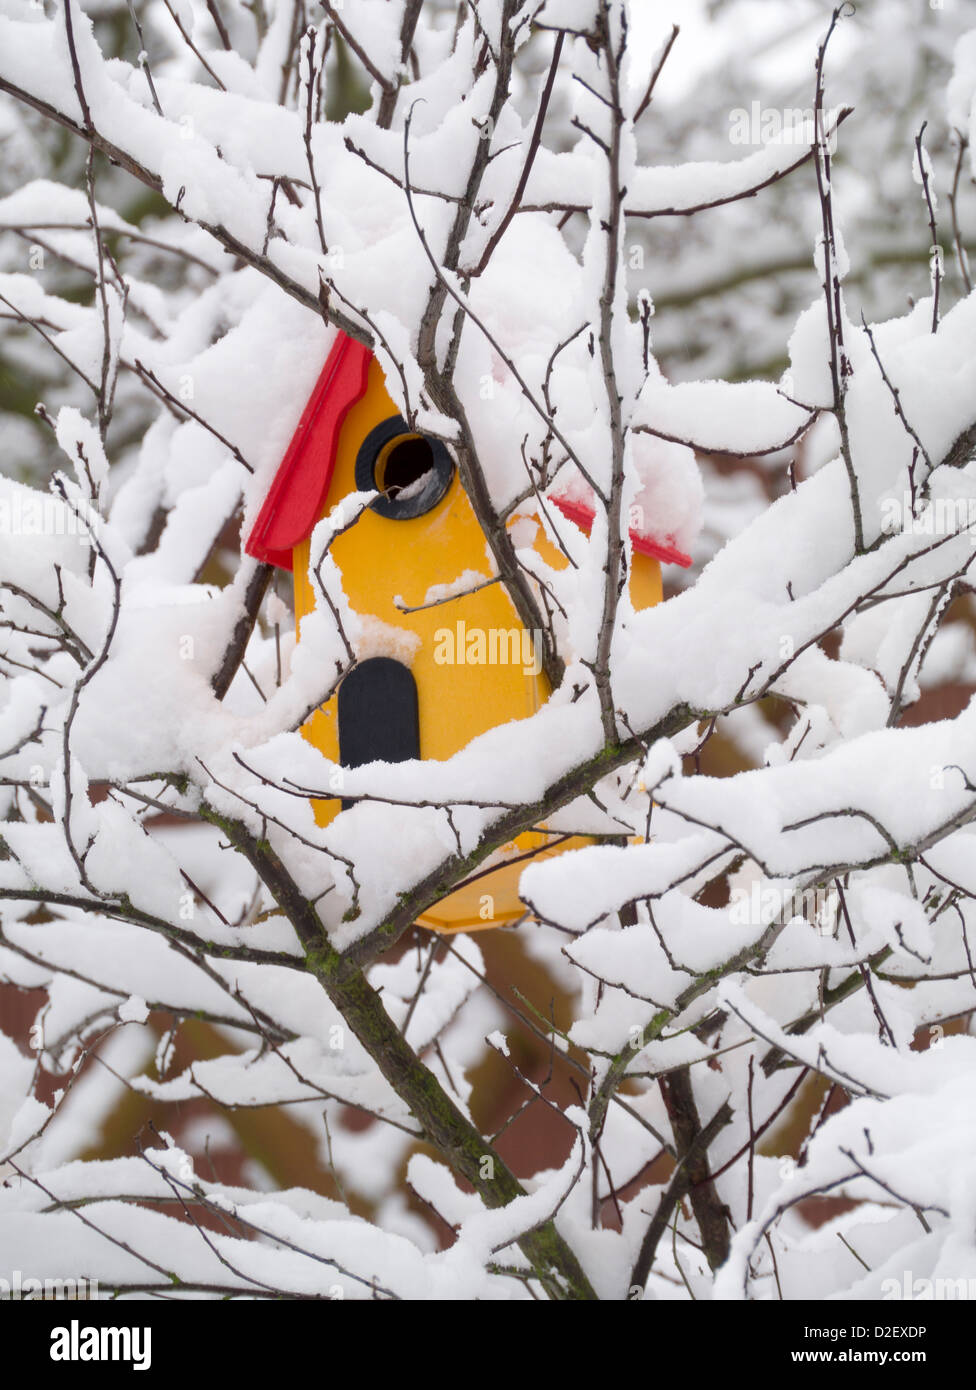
[411,471]
[403,463]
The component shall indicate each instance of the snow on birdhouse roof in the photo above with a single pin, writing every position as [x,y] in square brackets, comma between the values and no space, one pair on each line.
[301,484]
[665,512]
[582,514]
[665,515]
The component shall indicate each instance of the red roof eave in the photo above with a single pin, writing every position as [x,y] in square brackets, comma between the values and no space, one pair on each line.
[665,551]
[301,484]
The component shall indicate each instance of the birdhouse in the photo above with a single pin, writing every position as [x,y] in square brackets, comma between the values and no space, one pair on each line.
[464,667]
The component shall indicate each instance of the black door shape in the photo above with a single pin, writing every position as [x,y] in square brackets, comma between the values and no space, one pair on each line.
[378,719]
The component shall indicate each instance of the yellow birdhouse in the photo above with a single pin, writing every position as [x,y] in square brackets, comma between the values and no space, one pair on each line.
[465,673]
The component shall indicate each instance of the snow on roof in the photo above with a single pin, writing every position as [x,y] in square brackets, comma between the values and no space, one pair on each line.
[582,514]
[665,513]
[301,484]
[664,517]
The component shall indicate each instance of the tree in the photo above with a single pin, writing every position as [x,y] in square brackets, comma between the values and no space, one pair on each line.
[726,938]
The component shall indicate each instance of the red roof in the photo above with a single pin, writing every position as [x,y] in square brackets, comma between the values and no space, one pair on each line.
[297,495]
[661,550]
